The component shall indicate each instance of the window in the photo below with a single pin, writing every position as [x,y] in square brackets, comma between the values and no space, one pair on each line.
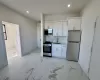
[4,31]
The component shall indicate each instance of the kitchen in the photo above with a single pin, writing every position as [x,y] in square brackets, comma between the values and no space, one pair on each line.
[57,38]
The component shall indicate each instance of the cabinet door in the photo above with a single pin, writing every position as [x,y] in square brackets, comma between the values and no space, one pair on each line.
[57,29]
[55,33]
[63,54]
[56,50]
[49,25]
[74,24]
[64,29]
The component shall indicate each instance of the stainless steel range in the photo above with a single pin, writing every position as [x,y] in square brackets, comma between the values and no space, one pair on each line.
[47,49]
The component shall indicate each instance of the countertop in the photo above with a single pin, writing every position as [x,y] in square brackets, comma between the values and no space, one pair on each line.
[59,43]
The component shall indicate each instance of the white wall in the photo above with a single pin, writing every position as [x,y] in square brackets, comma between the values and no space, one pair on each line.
[28,28]
[39,35]
[89,14]
[94,72]
[57,17]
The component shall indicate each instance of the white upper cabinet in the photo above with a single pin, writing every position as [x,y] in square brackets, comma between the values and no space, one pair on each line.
[60,28]
[64,29]
[57,29]
[49,25]
[74,24]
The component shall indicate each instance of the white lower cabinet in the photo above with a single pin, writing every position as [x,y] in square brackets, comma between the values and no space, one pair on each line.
[56,50]
[64,48]
[59,50]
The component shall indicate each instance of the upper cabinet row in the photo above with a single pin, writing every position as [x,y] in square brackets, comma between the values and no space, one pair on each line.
[60,28]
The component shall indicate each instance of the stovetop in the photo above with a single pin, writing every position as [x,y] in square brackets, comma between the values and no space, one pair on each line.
[47,42]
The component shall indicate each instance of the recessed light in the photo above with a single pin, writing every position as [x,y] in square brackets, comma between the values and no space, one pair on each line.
[68,5]
[27,12]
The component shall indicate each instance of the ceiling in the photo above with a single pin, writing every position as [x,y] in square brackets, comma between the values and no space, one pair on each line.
[36,7]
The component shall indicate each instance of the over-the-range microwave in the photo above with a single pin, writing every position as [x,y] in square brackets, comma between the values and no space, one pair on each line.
[48,31]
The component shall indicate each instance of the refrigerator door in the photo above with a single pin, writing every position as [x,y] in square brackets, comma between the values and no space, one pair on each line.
[73,51]
[74,35]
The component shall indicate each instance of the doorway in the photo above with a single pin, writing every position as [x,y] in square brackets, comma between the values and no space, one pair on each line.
[12,39]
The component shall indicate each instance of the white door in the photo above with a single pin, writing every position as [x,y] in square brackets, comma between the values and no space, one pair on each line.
[3,56]
[94,72]
[39,35]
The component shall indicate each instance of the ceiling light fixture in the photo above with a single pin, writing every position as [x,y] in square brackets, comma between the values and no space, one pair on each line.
[27,12]
[68,5]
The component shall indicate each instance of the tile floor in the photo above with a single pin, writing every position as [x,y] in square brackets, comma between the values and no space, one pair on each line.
[34,67]
[11,53]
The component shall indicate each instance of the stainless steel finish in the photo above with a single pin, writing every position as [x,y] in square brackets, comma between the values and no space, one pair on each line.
[73,51]
[47,49]
[47,44]
[47,54]
[74,38]
[74,35]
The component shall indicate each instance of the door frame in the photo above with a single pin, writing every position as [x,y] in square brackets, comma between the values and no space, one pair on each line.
[18,40]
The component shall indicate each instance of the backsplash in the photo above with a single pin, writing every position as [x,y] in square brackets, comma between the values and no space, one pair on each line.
[61,39]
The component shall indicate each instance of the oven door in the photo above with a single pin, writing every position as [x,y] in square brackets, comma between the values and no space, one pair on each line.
[47,49]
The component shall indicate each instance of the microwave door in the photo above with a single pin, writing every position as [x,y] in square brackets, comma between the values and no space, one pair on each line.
[50,31]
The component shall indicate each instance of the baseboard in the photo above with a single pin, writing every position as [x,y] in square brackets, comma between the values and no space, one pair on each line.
[29,52]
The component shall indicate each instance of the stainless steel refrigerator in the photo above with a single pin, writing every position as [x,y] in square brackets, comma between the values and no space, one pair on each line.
[74,39]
